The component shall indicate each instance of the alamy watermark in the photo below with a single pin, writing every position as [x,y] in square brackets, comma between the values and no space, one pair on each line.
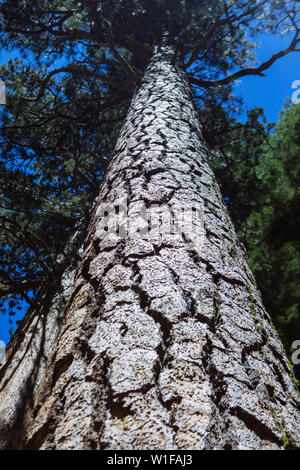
[296,93]
[2,352]
[152,222]
[2,92]
[296,353]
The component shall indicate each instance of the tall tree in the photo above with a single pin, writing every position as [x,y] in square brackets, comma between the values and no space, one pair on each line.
[164,342]
[272,229]
[259,176]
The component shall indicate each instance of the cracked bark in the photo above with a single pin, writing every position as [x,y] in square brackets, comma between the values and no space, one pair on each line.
[164,344]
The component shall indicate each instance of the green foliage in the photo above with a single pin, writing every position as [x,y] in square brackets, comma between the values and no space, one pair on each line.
[272,230]
[235,162]
[53,152]
[260,175]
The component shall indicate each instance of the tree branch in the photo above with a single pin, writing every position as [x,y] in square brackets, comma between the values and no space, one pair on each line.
[118,56]
[212,28]
[249,71]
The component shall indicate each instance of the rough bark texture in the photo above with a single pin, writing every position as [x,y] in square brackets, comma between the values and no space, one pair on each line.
[164,344]
[33,346]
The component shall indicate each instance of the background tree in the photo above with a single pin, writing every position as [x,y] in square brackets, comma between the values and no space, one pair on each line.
[258,174]
[271,230]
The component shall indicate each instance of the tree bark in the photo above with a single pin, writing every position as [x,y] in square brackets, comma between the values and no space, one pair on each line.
[165,343]
[33,345]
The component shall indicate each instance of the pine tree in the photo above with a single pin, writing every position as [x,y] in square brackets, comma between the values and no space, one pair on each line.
[163,342]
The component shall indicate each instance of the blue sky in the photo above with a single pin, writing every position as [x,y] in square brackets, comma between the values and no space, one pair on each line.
[268,92]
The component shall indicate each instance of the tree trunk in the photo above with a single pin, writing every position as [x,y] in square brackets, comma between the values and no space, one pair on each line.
[165,343]
[33,345]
